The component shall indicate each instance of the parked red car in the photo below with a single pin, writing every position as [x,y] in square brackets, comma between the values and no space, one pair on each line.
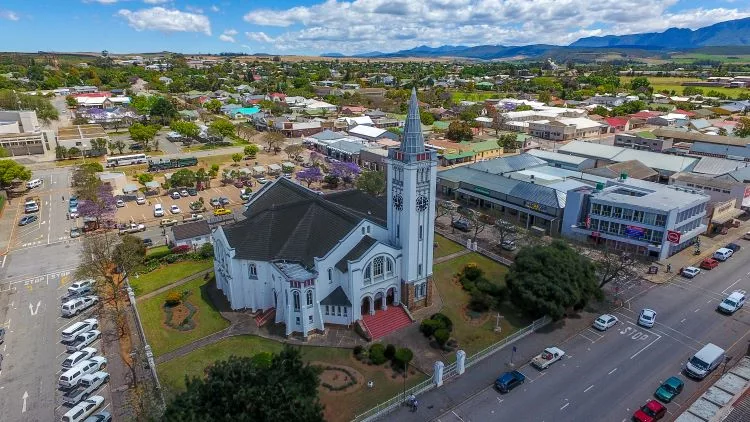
[709,264]
[650,412]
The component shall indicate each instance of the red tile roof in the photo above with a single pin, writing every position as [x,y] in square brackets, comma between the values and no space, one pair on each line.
[645,114]
[686,113]
[616,121]
[105,94]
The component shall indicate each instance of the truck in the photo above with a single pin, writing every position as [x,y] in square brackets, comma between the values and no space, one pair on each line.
[192,217]
[88,384]
[31,204]
[549,356]
[132,228]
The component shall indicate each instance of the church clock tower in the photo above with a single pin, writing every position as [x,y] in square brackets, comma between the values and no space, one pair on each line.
[411,209]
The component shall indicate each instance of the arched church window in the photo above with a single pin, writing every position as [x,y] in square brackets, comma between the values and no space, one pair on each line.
[378,266]
[295,295]
[252,271]
[389,266]
[368,274]
[309,297]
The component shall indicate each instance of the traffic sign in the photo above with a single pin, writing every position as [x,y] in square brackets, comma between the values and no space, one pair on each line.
[673,236]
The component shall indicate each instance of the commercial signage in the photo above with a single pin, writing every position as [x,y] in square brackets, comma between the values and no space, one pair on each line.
[482,190]
[535,206]
[673,236]
[635,232]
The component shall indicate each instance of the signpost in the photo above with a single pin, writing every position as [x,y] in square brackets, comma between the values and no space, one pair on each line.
[673,236]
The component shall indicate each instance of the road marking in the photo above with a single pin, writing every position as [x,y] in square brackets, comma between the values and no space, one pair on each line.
[696,310]
[612,371]
[3,265]
[730,286]
[646,347]
[590,387]
[32,310]
[708,301]
[564,406]
[456,414]
[499,400]
[683,320]
[24,397]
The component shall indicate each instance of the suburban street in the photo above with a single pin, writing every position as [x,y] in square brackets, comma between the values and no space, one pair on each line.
[33,276]
[621,367]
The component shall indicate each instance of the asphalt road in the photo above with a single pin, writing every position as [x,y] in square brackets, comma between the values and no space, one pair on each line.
[33,276]
[607,376]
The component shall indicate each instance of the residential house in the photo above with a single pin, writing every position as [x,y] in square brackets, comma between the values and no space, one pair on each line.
[193,234]
[617,124]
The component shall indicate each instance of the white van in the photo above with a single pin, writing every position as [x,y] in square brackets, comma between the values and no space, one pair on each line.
[72,307]
[34,183]
[705,361]
[69,334]
[158,210]
[71,377]
[81,286]
[723,254]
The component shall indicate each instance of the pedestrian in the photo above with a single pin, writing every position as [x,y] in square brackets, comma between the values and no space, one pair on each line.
[669,268]
[63,198]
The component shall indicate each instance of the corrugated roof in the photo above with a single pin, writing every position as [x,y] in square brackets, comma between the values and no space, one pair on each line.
[717,166]
[654,160]
[191,230]
[699,147]
[336,298]
[590,149]
[556,156]
[539,194]
[507,164]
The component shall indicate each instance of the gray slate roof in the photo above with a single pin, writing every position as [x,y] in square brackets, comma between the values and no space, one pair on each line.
[289,222]
[336,298]
[191,230]
[357,251]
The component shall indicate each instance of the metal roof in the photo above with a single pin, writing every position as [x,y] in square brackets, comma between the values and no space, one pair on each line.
[556,156]
[508,164]
[590,150]
[717,166]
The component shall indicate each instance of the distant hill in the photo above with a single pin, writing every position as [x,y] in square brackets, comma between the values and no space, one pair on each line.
[332,55]
[729,33]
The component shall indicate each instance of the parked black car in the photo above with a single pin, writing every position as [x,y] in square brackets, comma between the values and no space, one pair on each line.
[148,243]
[733,246]
[462,225]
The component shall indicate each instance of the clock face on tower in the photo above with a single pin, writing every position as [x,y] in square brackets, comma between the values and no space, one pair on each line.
[398,202]
[422,203]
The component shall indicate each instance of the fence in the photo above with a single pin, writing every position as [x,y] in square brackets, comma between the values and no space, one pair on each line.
[450,371]
[462,241]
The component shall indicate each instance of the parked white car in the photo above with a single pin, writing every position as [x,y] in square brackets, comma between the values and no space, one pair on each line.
[72,331]
[81,286]
[140,200]
[647,318]
[78,357]
[94,364]
[158,210]
[83,410]
[120,203]
[84,340]
[174,209]
[690,272]
[605,321]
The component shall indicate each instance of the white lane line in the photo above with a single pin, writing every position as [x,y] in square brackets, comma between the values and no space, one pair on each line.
[456,415]
[647,346]
[3,264]
[590,387]
[730,286]
[696,310]
[708,301]
[612,371]
[683,319]
[564,406]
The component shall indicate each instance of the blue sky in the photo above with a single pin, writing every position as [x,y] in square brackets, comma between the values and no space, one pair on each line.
[320,26]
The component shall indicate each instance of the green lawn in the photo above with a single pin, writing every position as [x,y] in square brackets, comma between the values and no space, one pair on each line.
[675,84]
[164,339]
[157,249]
[338,407]
[473,337]
[167,274]
[446,246]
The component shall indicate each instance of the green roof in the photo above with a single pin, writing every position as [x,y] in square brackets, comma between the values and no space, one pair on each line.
[646,134]
[481,146]
[463,154]
[440,125]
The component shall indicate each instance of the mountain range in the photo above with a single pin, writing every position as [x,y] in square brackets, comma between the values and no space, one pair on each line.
[728,33]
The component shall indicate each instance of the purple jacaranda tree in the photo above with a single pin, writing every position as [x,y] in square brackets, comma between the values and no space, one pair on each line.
[347,172]
[310,175]
[102,208]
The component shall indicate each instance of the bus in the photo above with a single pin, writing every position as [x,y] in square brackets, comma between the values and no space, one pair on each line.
[126,160]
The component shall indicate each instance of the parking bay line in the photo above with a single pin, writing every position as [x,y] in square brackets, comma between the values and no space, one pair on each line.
[730,286]
[589,388]
[646,346]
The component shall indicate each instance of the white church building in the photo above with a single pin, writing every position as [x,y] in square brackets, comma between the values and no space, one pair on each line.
[309,260]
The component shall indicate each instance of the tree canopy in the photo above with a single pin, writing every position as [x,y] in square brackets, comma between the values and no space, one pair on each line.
[189,130]
[372,182]
[142,134]
[459,131]
[252,389]
[183,178]
[223,127]
[11,171]
[548,280]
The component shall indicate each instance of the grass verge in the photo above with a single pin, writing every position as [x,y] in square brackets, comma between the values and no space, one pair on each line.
[446,246]
[167,274]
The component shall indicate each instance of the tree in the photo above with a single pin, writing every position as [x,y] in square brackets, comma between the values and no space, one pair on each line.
[508,142]
[600,111]
[183,178]
[118,145]
[549,280]
[61,152]
[459,131]
[251,150]
[294,150]
[722,131]
[504,230]
[345,171]
[316,158]
[212,105]
[142,134]
[245,131]
[143,103]
[85,182]
[71,101]
[100,206]
[11,171]
[273,140]
[74,152]
[144,178]
[188,130]
[614,265]
[223,127]
[523,107]
[426,118]
[372,182]
[742,129]
[544,97]
[478,221]
[310,175]
[164,110]
[640,84]
[286,389]
[4,152]
[99,145]
[237,157]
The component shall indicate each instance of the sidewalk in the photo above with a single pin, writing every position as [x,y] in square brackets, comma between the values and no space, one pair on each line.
[8,223]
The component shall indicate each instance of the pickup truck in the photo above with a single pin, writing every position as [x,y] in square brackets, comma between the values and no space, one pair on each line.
[88,384]
[132,228]
[31,204]
[192,217]
[549,356]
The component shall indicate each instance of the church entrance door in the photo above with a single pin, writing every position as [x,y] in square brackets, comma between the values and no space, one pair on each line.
[378,301]
[389,296]
[365,306]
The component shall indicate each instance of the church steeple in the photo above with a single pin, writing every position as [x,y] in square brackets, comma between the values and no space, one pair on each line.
[413,140]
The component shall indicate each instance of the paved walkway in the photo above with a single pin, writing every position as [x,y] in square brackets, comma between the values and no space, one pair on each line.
[173,285]
[451,256]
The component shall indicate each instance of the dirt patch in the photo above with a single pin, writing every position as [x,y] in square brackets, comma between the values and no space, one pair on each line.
[181,317]
[179,314]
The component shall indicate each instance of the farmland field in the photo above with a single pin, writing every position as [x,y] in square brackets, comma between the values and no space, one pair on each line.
[675,84]
[724,58]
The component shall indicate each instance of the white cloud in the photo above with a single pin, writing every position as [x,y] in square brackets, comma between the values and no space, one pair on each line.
[9,15]
[155,1]
[388,25]
[166,20]
[193,9]
[228,35]
[214,8]
[102,1]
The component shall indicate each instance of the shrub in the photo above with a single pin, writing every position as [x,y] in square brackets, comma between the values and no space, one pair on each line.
[181,249]
[206,250]
[472,271]
[171,258]
[441,336]
[480,302]
[377,354]
[158,255]
[358,350]
[429,326]
[402,357]
[173,298]
[447,323]
[390,351]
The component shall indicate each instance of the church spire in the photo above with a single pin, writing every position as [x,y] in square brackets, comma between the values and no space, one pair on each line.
[412,141]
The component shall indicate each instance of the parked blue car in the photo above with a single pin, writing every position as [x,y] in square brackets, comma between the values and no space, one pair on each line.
[509,380]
